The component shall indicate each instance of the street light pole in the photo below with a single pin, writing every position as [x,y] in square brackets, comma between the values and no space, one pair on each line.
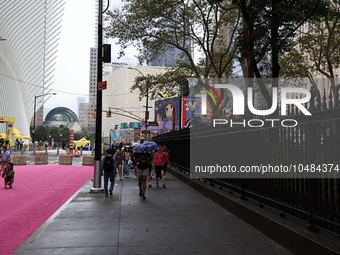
[147,104]
[146,111]
[98,139]
[34,116]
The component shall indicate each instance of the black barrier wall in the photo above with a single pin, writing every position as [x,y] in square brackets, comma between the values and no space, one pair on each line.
[310,147]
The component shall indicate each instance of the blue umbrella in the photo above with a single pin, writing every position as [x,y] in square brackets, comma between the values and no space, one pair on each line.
[147,147]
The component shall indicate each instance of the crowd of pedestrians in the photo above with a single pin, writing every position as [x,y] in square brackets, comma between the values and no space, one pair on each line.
[123,160]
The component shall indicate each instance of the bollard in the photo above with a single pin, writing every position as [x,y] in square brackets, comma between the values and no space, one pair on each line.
[57,151]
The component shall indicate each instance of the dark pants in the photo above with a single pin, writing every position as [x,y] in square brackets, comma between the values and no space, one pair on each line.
[158,171]
[107,177]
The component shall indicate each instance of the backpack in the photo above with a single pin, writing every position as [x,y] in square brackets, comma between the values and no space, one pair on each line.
[108,164]
[159,159]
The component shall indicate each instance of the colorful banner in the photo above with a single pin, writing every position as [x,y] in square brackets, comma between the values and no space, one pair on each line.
[191,107]
[124,135]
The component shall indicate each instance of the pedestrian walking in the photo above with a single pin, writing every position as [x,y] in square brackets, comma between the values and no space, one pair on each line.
[135,156]
[8,175]
[119,161]
[159,161]
[109,171]
[17,144]
[127,158]
[143,162]
[5,158]
[167,153]
[21,144]
[150,169]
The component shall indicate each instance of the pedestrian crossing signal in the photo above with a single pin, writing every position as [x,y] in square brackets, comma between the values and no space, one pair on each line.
[108,114]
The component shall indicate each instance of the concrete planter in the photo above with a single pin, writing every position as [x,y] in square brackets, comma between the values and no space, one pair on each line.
[88,160]
[41,148]
[41,159]
[19,160]
[65,160]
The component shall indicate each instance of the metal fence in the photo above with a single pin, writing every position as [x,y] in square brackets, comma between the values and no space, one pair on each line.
[314,140]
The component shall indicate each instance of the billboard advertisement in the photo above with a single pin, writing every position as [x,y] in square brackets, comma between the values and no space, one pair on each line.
[191,107]
[167,116]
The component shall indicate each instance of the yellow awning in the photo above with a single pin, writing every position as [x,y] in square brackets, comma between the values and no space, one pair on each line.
[19,135]
[82,142]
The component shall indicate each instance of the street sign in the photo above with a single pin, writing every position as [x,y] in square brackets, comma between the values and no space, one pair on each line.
[101,85]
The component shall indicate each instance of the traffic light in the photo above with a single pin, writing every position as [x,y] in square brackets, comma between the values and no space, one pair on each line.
[108,114]
[107,53]
[94,115]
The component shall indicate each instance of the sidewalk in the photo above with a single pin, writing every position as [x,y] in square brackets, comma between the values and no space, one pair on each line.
[172,220]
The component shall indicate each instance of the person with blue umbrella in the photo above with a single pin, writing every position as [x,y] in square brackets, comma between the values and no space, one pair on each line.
[143,162]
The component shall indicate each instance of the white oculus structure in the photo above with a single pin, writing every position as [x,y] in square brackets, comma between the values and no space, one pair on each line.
[29,35]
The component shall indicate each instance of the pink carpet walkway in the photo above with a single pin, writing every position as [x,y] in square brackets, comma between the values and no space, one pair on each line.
[38,191]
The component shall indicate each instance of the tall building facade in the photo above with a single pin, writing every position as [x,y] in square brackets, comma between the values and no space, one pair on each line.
[124,103]
[27,56]
[87,110]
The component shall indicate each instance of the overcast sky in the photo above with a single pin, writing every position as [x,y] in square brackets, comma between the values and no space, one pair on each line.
[72,68]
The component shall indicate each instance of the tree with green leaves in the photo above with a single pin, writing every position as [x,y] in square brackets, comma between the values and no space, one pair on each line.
[319,50]
[268,31]
[153,27]
[59,134]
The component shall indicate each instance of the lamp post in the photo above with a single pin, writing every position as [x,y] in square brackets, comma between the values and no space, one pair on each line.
[34,116]
[147,104]
[98,138]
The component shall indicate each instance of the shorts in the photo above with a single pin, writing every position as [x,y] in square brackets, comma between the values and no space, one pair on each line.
[158,171]
[142,172]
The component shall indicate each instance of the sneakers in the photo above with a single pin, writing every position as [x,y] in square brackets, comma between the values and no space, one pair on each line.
[106,195]
[110,192]
[143,196]
[164,186]
[150,185]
